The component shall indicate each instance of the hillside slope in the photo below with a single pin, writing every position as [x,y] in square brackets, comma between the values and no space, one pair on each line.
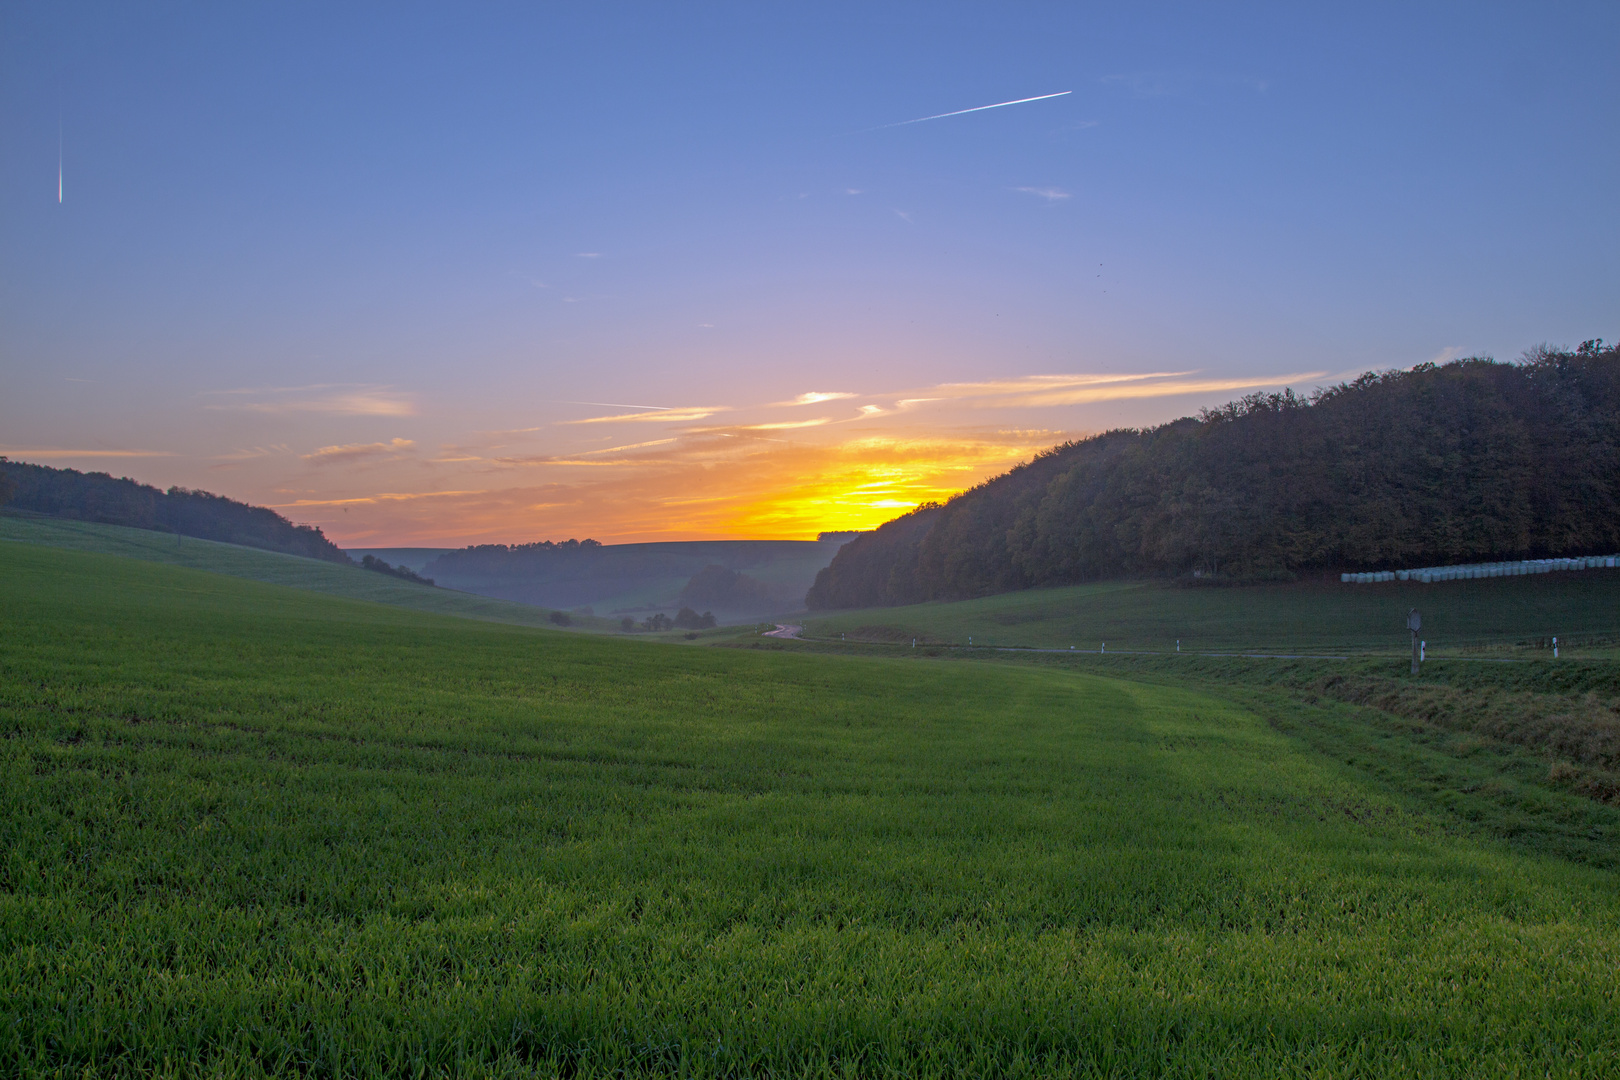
[271,568]
[99,497]
[1441,464]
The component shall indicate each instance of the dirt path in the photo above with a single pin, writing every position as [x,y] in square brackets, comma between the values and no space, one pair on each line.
[785,630]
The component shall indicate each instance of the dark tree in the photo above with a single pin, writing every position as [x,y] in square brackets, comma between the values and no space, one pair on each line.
[687,619]
[404,573]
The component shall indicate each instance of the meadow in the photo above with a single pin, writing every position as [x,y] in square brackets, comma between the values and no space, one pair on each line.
[251,830]
[273,568]
[1581,608]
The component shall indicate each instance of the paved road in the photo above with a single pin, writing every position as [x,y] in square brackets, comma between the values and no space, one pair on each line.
[785,630]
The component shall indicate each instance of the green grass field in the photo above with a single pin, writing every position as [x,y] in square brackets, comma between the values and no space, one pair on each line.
[255,830]
[274,568]
[1321,618]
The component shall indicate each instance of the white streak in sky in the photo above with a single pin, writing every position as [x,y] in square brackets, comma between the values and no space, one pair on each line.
[615,405]
[980,108]
[58,162]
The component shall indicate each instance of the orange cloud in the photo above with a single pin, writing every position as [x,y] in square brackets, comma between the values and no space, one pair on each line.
[351,452]
[657,416]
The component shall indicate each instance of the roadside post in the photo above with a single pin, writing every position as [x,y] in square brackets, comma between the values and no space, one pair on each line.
[1414,623]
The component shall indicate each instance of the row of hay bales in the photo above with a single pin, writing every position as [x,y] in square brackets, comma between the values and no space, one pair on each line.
[1472,571]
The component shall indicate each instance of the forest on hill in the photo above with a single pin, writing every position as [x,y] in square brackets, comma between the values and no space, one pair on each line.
[68,493]
[1460,462]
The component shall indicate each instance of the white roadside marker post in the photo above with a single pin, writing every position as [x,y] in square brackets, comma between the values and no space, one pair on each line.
[1414,623]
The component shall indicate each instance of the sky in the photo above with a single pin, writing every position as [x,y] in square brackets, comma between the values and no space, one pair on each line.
[465,273]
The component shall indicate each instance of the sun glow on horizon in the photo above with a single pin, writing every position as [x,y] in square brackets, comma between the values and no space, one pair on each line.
[721,470]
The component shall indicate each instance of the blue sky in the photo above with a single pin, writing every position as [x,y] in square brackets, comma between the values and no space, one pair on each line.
[366,264]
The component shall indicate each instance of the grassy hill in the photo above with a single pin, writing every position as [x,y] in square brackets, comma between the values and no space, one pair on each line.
[270,567]
[1313,617]
[259,830]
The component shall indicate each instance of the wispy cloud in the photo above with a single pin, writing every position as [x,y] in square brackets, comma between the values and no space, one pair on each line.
[629,446]
[1039,391]
[814,397]
[785,425]
[1050,194]
[338,399]
[587,254]
[660,416]
[380,497]
[349,453]
[45,452]
[1446,355]
[253,452]
[904,216]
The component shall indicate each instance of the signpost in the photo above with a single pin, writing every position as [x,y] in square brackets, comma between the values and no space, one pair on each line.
[1414,623]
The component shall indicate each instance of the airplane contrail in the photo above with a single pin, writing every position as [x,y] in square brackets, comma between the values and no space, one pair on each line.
[617,405]
[980,108]
[59,162]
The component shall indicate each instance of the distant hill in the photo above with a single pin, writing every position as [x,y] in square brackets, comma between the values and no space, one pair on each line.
[99,497]
[635,578]
[1460,462]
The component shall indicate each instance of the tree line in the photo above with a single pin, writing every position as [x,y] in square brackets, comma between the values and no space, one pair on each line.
[404,573]
[1468,461]
[97,496]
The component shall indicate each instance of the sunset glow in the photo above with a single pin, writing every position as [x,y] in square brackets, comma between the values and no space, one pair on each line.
[868,459]
[514,274]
